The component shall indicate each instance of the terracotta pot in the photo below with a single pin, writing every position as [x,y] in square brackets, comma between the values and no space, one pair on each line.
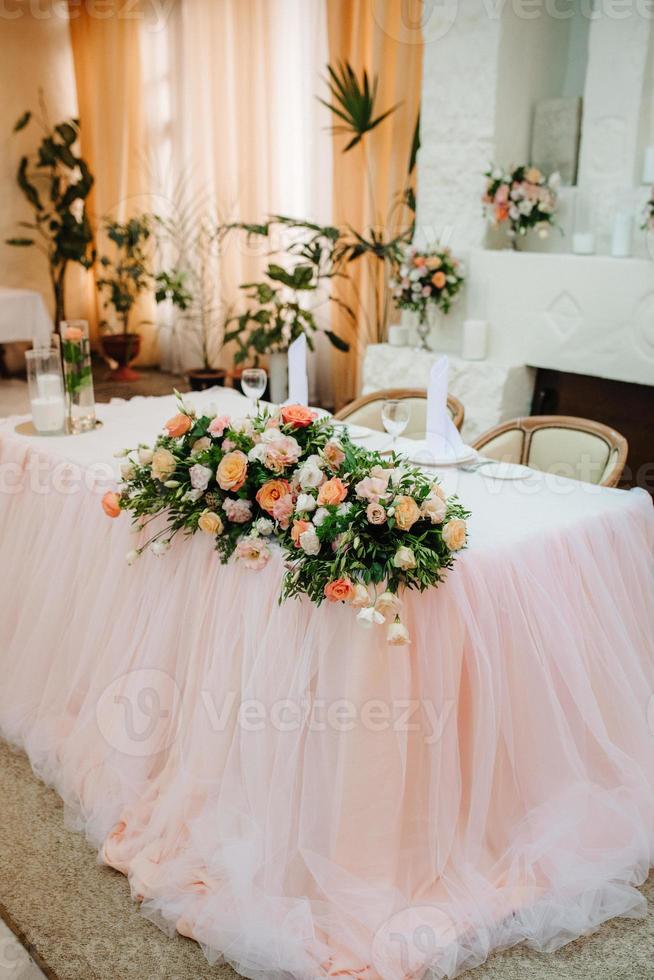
[201,378]
[123,348]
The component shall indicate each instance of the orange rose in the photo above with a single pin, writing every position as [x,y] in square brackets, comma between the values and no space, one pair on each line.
[439,279]
[501,213]
[178,425]
[340,590]
[73,334]
[333,491]
[232,470]
[407,512]
[271,492]
[111,504]
[298,416]
[299,527]
[419,261]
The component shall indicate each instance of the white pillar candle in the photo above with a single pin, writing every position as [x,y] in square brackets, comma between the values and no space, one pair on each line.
[49,385]
[475,340]
[398,335]
[48,414]
[583,243]
[648,165]
[621,238]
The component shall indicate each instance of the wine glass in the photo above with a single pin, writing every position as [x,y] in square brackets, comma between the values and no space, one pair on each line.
[253,385]
[395,415]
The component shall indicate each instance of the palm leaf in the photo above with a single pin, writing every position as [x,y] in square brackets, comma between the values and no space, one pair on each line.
[353,102]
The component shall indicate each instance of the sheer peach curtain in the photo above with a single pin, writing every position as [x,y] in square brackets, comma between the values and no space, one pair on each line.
[106,54]
[383,36]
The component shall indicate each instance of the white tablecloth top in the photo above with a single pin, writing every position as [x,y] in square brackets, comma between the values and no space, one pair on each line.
[504,513]
[23,316]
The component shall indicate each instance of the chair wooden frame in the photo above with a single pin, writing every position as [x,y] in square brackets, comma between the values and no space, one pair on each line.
[456,408]
[614,440]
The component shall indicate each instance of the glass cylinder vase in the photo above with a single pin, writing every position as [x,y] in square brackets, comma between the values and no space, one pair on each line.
[78,375]
[46,391]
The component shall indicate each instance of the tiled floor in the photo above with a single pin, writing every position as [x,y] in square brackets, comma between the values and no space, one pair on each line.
[15,962]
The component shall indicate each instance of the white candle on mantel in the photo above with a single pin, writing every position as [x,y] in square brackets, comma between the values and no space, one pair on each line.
[48,414]
[475,340]
[648,165]
[621,238]
[583,243]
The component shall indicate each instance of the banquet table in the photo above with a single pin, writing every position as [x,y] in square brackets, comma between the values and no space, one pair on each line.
[300,797]
[23,316]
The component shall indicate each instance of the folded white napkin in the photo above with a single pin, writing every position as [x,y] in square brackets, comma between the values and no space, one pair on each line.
[442,436]
[298,380]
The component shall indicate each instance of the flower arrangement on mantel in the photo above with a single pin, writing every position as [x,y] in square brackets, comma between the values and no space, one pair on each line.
[423,278]
[521,199]
[354,526]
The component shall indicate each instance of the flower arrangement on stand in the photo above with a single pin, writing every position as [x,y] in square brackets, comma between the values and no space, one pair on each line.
[423,279]
[521,199]
[354,526]
[648,214]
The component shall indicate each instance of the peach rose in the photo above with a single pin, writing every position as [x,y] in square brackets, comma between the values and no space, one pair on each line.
[111,504]
[178,425]
[454,534]
[439,279]
[73,334]
[407,512]
[210,523]
[298,416]
[271,492]
[334,491]
[232,471]
[375,513]
[434,508]
[533,175]
[333,454]
[299,527]
[163,464]
[340,590]
[434,262]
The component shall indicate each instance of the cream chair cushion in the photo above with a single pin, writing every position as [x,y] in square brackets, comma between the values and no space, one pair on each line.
[569,452]
[507,447]
[370,416]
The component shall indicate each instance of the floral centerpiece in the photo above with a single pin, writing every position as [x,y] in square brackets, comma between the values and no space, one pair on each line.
[426,278]
[648,214]
[521,199]
[354,526]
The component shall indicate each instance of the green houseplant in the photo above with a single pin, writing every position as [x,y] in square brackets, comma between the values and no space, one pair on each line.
[56,182]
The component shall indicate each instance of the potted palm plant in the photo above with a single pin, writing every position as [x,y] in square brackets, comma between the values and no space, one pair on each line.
[56,181]
[125,275]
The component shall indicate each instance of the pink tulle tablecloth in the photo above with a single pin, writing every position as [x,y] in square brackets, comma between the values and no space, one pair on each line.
[302,799]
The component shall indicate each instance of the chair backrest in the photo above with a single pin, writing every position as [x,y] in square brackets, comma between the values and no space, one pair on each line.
[367,410]
[578,448]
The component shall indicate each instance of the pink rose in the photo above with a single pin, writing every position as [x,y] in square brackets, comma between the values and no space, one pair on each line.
[218,425]
[282,510]
[227,445]
[371,488]
[333,454]
[375,513]
[502,194]
[238,511]
[253,552]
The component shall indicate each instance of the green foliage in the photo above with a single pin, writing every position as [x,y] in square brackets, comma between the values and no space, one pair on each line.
[128,272]
[353,102]
[56,182]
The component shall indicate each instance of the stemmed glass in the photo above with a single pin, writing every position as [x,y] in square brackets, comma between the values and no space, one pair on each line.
[395,415]
[253,385]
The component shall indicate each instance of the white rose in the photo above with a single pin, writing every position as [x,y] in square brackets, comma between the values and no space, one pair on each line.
[344,509]
[264,526]
[127,470]
[397,634]
[305,503]
[192,496]
[361,596]
[200,476]
[369,617]
[244,426]
[404,558]
[159,548]
[131,557]
[309,475]
[320,516]
[145,455]
[387,603]
[309,542]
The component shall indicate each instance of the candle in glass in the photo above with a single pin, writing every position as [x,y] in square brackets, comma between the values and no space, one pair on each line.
[46,390]
[78,376]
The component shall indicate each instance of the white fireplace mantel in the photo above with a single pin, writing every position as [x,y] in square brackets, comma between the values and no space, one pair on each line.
[591,315]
